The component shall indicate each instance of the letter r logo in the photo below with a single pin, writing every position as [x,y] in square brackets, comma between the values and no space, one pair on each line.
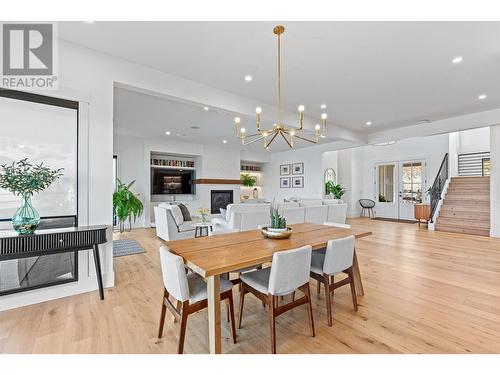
[27,49]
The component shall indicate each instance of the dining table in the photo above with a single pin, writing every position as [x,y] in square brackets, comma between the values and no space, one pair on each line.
[220,254]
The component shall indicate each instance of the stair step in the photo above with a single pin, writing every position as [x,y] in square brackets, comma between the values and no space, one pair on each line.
[470,178]
[466,215]
[463,230]
[463,222]
[467,197]
[456,209]
[468,190]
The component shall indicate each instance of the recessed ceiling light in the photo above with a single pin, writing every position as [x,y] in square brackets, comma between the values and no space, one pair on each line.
[424,121]
[167,133]
[89,21]
[457,60]
[368,123]
[482,96]
[248,78]
[206,108]
[194,127]
[323,106]
[224,141]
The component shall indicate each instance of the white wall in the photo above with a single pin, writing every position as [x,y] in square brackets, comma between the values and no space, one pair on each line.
[474,140]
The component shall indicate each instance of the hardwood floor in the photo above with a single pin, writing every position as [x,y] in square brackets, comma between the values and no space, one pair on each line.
[425,292]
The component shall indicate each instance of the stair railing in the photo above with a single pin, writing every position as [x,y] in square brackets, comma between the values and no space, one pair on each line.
[437,187]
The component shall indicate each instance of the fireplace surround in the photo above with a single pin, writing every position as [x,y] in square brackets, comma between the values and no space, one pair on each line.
[220,199]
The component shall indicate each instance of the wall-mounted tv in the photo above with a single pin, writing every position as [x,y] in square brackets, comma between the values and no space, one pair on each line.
[172,181]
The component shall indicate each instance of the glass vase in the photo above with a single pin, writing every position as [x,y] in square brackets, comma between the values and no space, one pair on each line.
[26,218]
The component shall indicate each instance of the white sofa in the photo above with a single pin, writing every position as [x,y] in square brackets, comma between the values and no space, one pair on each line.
[170,226]
[231,221]
[335,213]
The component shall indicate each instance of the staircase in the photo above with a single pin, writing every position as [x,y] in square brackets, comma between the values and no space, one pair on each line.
[466,207]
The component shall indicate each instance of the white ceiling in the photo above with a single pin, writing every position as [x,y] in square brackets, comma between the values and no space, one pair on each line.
[391,73]
[148,115]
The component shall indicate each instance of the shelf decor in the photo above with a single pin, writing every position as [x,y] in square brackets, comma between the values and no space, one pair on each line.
[25,179]
[172,163]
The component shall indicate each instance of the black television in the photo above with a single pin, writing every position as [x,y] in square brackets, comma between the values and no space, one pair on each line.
[172,181]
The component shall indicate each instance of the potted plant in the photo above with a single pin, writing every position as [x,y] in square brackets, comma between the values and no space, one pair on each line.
[277,228]
[25,179]
[336,190]
[126,205]
[247,180]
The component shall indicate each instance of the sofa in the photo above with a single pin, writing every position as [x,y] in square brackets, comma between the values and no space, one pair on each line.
[240,217]
[230,219]
[170,225]
[335,213]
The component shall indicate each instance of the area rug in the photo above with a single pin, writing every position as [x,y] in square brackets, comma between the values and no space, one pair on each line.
[126,247]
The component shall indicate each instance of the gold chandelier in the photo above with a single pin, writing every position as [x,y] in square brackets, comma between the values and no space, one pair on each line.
[279,128]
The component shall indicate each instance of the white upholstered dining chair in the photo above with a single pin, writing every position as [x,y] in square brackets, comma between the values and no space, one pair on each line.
[289,271]
[337,259]
[190,293]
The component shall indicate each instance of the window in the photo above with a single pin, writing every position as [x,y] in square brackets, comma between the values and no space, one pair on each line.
[42,129]
[412,182]
[486,166]
[386,183]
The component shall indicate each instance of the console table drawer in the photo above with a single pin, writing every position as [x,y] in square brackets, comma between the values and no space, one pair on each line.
[39,243]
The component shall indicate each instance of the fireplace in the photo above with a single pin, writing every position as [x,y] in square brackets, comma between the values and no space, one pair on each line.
[220,199]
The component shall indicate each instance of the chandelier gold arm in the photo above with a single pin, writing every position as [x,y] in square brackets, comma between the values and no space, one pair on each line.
[286,140]
[272,139]
[299,137]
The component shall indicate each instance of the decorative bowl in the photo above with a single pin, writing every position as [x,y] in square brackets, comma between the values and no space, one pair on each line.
[276,233]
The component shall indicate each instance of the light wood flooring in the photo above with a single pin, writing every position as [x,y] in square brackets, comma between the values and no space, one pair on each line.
[425,292]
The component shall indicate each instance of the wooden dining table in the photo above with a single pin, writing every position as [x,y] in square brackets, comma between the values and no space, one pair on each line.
[213,256]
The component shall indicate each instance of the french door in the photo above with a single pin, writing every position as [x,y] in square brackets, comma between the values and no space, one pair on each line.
[399,185]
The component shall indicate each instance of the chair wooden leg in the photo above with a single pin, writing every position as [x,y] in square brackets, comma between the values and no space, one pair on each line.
[326,280]
[178,306]
[162,316]
[307,292]
[293,296]
[272,326]
[318,287]
[240,307]
[353,290]
[362,212]
[182,334]
[231,313]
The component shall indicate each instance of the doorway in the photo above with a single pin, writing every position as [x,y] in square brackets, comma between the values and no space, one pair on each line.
[399,185]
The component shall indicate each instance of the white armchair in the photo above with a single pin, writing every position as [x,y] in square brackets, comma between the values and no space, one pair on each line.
[168,229]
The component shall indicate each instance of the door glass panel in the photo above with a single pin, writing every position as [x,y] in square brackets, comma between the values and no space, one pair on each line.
[386,183]
[486,166]
[412,182]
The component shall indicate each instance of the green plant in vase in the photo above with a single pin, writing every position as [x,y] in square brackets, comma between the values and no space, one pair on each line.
[277,221]
[25,179]
[247,180]
[126,205]
[336,190]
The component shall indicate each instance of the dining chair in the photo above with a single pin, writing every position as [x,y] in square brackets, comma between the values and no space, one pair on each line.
[190,292]
[289,272]
[337,259]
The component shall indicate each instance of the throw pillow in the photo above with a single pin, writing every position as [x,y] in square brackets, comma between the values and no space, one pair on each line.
[177,214]
[185,212]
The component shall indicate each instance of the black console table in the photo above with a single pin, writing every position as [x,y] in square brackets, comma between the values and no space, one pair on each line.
[52,241]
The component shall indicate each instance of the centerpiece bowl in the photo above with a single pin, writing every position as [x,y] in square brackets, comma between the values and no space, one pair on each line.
[276,233]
